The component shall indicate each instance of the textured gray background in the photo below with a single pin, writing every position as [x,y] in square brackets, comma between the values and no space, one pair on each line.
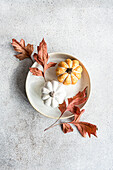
[84,29]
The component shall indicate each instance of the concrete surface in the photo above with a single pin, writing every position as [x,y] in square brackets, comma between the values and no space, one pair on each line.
[84,29]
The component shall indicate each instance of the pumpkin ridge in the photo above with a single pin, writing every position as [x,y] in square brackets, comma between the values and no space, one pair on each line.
[57,70]
[61,74]
[68,77]
[61,63]
[69,62]
[75,67]
[76,71]
[65,78]
[75,64]
[67,65]
[75,76]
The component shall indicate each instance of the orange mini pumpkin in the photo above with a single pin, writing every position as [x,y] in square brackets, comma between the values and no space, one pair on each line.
[69,71]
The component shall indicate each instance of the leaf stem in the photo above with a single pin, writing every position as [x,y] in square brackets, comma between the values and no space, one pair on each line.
[61,123]
[52,124]
[55,121]
[57,125]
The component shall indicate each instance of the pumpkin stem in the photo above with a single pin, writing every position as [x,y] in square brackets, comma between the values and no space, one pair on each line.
[69,70]
[51,93]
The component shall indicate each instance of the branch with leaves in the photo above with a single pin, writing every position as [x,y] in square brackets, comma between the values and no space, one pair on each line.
[42,59]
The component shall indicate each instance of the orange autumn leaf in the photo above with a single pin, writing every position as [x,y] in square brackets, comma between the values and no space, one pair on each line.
[24,51]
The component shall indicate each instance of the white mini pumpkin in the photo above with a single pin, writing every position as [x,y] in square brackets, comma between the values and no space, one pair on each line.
[53,93]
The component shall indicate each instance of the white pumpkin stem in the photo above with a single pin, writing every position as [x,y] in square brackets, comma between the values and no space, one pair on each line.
[44,78]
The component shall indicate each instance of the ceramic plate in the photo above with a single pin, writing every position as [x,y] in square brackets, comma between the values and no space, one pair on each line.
[35,83]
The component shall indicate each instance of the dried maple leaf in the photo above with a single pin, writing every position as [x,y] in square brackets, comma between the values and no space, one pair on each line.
[42,56]
[85,127]
[67,128]
[36,71]
[24,51]
[78,99]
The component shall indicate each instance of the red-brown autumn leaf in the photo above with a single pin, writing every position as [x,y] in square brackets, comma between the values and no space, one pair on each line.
[67,128]
[42,52]
[77,117]
[36,72]
[24,51]
[37,59]
[50,64]
[42,56]
[77,114]
[85,127]
[62,107]
[78,99]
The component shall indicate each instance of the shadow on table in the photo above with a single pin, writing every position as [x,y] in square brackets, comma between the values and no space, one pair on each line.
[19,78]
